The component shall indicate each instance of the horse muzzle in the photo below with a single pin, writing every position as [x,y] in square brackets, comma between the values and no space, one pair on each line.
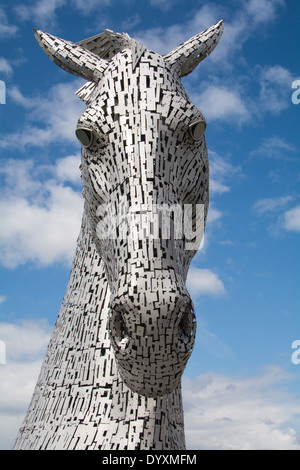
[152,342]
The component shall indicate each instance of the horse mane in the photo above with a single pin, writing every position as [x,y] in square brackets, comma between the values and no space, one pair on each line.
[106,45]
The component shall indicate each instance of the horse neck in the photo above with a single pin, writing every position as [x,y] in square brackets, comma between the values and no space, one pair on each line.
[80,401]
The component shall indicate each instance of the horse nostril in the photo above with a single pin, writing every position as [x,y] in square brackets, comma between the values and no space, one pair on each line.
[119,331]
[187,330]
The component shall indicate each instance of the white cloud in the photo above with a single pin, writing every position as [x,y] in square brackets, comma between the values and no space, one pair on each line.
[275,88]
[282,219]
[5,66]
[56,114]
[220,102]
[20,179]
[230,101]
[130,22]
[41,11]
[43,235]
[163,40]
[275,74]
[226,243]
[243,25]
[26,344]
[166,5]
[44,12]
[2,299]
[237,30]
[204,282]
[274,176]
[87,7]
[40,213]
[271,205]
[217,187]
[263,11]
[7,30]
[16,95]
[291,220]
[213,215]
[232,413]
[67,169]
[26,340]
[273,147]
[17,384]
[221,171]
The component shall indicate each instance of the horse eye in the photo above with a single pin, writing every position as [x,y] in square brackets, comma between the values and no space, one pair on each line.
[85,136]
[197,129]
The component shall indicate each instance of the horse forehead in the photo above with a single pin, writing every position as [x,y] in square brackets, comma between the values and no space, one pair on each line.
[146,86]
[129,62]
[131,88]
[125,73]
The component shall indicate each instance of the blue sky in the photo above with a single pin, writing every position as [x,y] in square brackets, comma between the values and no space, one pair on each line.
[241,388]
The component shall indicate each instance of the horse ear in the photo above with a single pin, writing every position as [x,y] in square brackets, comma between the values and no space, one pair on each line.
[71,57]
[188,55]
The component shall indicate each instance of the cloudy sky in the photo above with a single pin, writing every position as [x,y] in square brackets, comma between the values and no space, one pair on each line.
[241,385]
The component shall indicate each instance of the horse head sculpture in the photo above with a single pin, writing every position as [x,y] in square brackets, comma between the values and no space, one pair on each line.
[143,152]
